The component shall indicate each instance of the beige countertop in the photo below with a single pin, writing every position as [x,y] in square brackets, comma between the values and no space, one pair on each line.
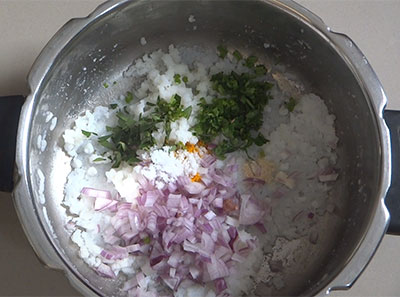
[26,26]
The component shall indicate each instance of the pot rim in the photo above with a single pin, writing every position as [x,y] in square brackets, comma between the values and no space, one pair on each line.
[43,243]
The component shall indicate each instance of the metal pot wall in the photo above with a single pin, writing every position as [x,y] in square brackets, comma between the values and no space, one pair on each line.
[106,42]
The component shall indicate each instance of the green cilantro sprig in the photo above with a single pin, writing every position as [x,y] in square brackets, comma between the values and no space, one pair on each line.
[131,135]
[236,114]
[87,133]
[290,104]
[222,51]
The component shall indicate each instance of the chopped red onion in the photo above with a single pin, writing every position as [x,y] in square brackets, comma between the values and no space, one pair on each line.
[124,205]
[95,193]
[206,228]
[157,254]
[232,221]
[171,282]
[194,188]
[232,232]
[184,204]
[141,280]
[193,200]
[250,213]
[161,210]
[152,222]
[180,237]
[230,169]
[207,160]
[102,203]
[174,201]
[190,247]
[183,229]
[218,202]
[220,285]
[207,243]
[172,272]
[133,248]
[217,268]
[210,215]
[174,259]
[194,272]
[221,251]
[105,270]
[222,180]
[150,198]
[239,245]
[238,258]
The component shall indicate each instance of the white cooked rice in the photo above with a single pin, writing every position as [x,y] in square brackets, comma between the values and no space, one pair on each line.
[301,144]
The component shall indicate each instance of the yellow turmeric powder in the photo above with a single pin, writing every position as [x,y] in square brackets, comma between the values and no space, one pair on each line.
[191,148]
[196,178]
[201,143]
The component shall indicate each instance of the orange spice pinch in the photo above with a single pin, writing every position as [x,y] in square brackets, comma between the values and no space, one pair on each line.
[191,148]
[201,143]
[196,178]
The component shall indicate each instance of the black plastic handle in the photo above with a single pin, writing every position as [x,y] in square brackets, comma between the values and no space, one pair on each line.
[10,108]
[392,118]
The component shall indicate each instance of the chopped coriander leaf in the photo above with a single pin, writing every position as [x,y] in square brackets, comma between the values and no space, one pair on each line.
[106,144]
[250,61]
[222,51]
[99,159]
[235,114]
[117,159]
[260,140]
[146,240]
[87,133]
[123,117]
[171,111]
[126,109]
[128,97]
[131,134]
[103,138]
[187,112]
[260,70]
[290,104]
[237,55]
[105,85]
[122,146]
[185,79]
[113,106]
[177,78]
[177,146]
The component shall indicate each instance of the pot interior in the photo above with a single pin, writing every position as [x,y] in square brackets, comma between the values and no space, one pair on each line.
[103,51]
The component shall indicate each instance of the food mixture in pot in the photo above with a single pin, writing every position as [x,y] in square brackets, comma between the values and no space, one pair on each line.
[186,183]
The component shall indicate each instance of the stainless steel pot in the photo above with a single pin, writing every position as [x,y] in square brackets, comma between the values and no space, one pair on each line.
[68,75]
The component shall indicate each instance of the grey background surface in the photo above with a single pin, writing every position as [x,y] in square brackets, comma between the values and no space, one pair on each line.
[26,26]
